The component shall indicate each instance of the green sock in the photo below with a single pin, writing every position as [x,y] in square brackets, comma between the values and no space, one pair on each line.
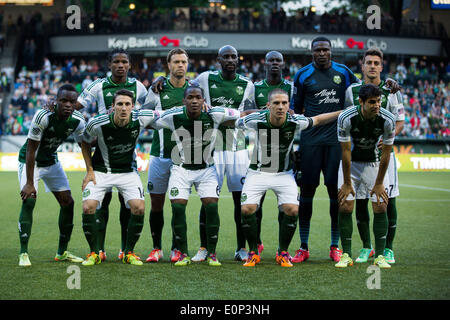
[156,227]
[345,223]
[287,230]
[65,223]
[135,226]
[380,229]
[101,217]
[249,226]
[212,226]
[25,222]
[280,220]
[124,218]
[363,221]
[90,231]
[202,227]
[392,223]
[179,227]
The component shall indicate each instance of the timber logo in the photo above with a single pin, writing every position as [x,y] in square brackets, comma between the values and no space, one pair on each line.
[239,90]
[337,79]
[243,197]
[86,193]
[174,192]
[150,186]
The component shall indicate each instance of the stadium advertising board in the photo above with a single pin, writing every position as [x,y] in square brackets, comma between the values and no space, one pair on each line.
[440,4]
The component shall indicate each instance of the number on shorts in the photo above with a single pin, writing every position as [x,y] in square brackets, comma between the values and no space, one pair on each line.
[141,192]
[391,187]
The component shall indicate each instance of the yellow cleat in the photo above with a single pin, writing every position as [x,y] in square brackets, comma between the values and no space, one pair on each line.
[133,259]
[92,259]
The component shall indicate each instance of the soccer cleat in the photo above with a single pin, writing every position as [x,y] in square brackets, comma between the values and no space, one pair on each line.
[283,259]
[133,259]
[260,248]
[364,255]
[241,255]
[120,256]
[344,262]
[252,260]
[381,262]
[212,261]
[389,256]
[24,260]
[175,255]
[155,255]
[300,255]
[277,256]
[335,254]
[183,261]
[92,259]
[67,256]
[201,255]
[102,255]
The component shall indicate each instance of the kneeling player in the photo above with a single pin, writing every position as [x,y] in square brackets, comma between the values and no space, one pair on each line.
[362,173]
[113,165]
[38,160]
[271,169]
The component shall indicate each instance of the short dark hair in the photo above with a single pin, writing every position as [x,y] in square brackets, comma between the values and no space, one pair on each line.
[369,91]
[67,87]
[317,39]
[118,51]
[276,91]
[123,92]
[193,86]
[373,51]
[176,51]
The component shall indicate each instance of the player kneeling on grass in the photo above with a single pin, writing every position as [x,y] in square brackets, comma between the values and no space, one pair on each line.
[113,165]
[271,169]
[38,160]
[362,173]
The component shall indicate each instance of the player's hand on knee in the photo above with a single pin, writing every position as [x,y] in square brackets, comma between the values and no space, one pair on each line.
[28,191]
[158,84]
[393,85]
[343,193]
[90,176]
[380,193]
[206,107]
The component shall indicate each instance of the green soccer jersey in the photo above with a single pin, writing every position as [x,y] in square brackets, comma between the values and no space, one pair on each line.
[365,134]
[101,91]
[262,89]
[116,145]
[169,97]
[273,145]
[51,131]
[195,138]
[236,94]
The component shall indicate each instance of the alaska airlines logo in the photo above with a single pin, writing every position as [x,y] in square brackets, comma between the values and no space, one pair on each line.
[327,95]
[222,101]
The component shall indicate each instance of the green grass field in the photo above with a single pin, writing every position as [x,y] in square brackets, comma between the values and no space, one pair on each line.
[422,252]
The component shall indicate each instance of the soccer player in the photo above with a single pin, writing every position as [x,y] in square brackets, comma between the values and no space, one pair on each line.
[102,92]
[195,133]
[362,173]
[274,64]
[113,165]
[38,160]
[228,89]
[271,169]
[372,65]
[160,162]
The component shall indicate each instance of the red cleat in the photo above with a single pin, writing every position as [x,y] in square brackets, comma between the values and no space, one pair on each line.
[335,254]
[300,255]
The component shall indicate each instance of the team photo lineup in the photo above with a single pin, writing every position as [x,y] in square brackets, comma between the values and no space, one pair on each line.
[231,152]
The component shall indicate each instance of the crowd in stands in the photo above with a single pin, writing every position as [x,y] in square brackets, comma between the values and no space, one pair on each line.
[425,89]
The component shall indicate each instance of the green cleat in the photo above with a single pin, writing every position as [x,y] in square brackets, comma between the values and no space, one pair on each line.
[24,260]
[92,259]
[344,262]
[212,261]
[364,255]
[133,259]
[389,256]
[183,261]
[381,262]
[67,256]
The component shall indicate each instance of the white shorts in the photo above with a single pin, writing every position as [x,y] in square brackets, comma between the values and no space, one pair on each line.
[363,175]
[234,166]
[54,177]
[257,183]
[392,174]
[204,180]
[158,174]
[128,184]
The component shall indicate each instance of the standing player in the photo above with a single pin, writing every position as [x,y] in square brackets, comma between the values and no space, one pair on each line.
[160,163]
[38,160]
[271,168]
[274,64]
[102,92]
[362,173]
[113,165]
[195,134]
[228,89]
[372,65]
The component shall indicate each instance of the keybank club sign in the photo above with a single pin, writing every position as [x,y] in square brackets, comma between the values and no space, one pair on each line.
[340,43]
[133,42]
